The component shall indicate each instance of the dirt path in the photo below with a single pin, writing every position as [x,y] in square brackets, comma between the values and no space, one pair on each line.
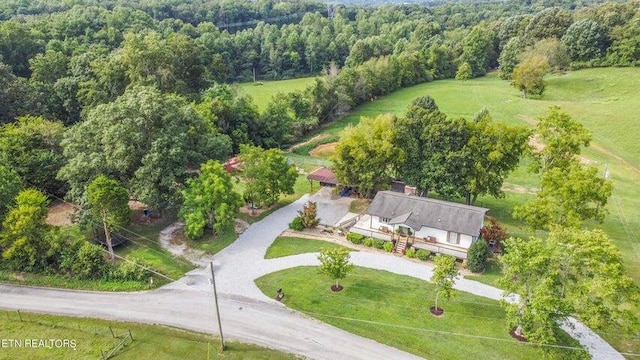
[313,139]
[534,142]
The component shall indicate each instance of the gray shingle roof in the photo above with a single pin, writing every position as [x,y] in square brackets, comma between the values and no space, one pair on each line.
[417,212]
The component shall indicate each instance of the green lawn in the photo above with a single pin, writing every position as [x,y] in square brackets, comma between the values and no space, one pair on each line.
[144,245]
[285,246]
[213,244]
[393,310]
[490,276]
[605,100]
[263,91]
[91,336]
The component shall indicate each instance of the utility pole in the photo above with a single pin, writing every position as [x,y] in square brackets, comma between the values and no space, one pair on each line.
[215,296]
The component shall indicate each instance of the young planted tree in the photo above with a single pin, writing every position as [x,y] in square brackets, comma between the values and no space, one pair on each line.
[571,273]
[109,203]
[209,201]
[309,215]
[334,263]
[443,278]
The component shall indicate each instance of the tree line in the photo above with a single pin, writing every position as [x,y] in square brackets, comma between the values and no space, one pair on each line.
[58,61]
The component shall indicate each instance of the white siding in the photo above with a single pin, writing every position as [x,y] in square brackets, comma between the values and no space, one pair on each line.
[465,241]
[376,223]
[440,235]
[435,248]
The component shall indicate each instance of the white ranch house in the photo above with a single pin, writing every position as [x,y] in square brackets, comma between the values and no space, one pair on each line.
[434,225]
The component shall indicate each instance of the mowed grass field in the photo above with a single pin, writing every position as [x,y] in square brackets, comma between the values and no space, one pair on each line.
[604,100]
[394,310]
[90,336]
[263,91]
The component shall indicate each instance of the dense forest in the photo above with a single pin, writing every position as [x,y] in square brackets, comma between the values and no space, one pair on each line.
[93,87]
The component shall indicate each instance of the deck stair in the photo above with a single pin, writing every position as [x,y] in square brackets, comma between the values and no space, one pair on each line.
[401,244]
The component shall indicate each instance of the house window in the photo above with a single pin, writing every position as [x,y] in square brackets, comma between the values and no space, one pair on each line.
[453,238]
[385,220]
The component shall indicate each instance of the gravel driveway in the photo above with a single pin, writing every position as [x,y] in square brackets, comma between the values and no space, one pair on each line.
[247,314]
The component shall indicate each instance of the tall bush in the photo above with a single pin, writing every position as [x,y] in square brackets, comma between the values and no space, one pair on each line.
[477,256]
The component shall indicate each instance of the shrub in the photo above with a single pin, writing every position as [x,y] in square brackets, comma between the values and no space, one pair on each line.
[355,238]
[388,247]
[423,254]
[411,253]
[89,262]
[477,256]
[131,270]
[296,224]
[309,215]
[378,243]
[368,242]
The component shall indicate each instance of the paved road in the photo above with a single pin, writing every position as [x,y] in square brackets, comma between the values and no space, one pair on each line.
[247,314]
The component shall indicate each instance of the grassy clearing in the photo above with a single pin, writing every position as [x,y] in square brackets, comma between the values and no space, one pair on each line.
[210,243]
[263,91]
[490,275]
[286,246]
[359,206]
[91,336]
[144,245]
[604,100]
[392,315]
[58,281]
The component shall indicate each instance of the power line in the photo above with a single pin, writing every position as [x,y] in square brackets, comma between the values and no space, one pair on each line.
[442,332]
[340,317]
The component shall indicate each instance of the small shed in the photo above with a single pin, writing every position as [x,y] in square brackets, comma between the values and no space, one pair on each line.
[324,176]
[233,165]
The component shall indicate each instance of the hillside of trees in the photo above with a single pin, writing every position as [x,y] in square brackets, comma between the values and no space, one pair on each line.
[88,87]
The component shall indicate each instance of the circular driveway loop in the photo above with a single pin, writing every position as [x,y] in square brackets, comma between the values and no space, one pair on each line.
[247,314]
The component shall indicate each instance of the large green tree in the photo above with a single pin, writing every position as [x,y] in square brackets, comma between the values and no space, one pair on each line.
[561,139]
[549,23]
[148,141]
[31,146]
[109,203]
[567,197]
[571,273]
[209,201]
[24,239]
[434,150]
[510,56]
[233,113]
[529,74]
[586,40]
[10,185]
[267,174]
[366,154]
[495,150]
